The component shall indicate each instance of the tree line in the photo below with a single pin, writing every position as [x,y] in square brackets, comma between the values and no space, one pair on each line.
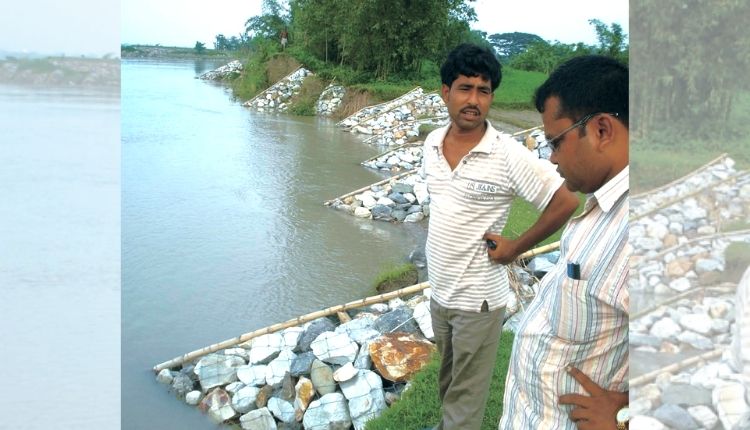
[691,59]
[385,40]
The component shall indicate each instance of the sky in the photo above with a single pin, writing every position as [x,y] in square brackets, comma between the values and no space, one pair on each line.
[97,27]
[71,27]
[174,23]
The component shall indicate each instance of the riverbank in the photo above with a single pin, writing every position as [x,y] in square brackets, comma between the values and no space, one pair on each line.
[170,52]
[61,72]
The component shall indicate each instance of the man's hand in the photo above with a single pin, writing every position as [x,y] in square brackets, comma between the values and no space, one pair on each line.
[597,411]
[506,250]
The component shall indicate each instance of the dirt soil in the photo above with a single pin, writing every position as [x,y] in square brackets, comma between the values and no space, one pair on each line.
[512,121]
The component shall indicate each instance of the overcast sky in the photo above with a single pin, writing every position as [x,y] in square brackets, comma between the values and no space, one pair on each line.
[97,27]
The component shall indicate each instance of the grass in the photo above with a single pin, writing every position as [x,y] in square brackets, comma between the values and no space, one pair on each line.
[671,152]
[419,406]
[517,89]
[396,277]
[523,214]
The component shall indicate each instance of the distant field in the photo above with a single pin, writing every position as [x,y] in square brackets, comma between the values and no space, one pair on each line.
[663,157]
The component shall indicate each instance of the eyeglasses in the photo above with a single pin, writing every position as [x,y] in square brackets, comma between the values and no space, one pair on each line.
[555,142]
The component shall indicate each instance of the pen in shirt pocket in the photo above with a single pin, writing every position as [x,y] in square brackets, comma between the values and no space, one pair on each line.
[574,271]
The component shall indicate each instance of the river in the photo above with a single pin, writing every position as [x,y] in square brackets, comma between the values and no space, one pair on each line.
[224,229]
[59,258]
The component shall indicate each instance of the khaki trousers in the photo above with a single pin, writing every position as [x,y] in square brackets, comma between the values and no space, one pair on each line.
[467,343]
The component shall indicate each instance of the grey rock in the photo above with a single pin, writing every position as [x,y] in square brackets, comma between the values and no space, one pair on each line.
[399,319]
[686,395]
[302,364]
[675,417]
[322,378]
[314,330]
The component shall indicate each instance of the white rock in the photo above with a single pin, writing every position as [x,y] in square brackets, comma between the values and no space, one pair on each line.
[259,419]
[265,348]
[334,348]
[243,401]
[279,367]
[330,411]
[424,319]
[193,398]
[252,375]
[281,409]
[344,373]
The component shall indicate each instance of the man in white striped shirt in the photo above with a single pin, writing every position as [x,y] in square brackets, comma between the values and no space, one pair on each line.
[569,365]
[473,173]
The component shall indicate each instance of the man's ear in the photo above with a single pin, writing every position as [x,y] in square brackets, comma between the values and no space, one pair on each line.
[444,90]
[604,131]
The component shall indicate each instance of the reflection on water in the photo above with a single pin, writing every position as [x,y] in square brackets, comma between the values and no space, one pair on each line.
[224,228]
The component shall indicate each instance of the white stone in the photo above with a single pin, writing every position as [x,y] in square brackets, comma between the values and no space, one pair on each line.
[334,348]
[330,411]
[665,328]
[642,422]
[291,336]
[344,373]
[259,419]
[193,398]
[703,415]
[680,284]
[279,367]
[699,323]
[264,348]
[362,212]
[243,401]
[281,409]
[424,319]
[252,375]
[165,376]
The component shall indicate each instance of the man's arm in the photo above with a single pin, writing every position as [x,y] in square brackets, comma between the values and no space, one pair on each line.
[558,211]
[597,411]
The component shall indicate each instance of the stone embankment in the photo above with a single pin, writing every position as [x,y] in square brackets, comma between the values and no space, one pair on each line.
[397,121]
[402,199]
[62,72]
[329,372]
[230,70]
[330,100]
[276,98]
[332,372]
[679,238]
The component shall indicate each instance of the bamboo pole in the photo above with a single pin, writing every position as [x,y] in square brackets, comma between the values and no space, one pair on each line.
[635,263]
[675,298]
[395,148]
[676,366]
[681,179]
[290,323]
[674,200]
[540,250]
[386,180]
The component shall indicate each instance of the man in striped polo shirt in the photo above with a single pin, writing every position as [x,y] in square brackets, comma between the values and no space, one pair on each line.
[473,173]
[569,365]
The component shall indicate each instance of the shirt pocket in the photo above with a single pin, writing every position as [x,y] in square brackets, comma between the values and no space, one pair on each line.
[572,311]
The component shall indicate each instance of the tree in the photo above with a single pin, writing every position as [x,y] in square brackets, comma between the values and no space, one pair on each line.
[200,48]
[695,64]
[509,44]
[270,23]
[381,37]
[612,40]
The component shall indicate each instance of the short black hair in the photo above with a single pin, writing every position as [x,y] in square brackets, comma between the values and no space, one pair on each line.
[585,85]
[471,60]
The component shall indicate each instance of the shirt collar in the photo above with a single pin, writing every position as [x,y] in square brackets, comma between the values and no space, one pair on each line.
[484,145]
[609,193]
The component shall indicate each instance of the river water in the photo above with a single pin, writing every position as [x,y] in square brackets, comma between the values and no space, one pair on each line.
[59,258]
[224,229]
